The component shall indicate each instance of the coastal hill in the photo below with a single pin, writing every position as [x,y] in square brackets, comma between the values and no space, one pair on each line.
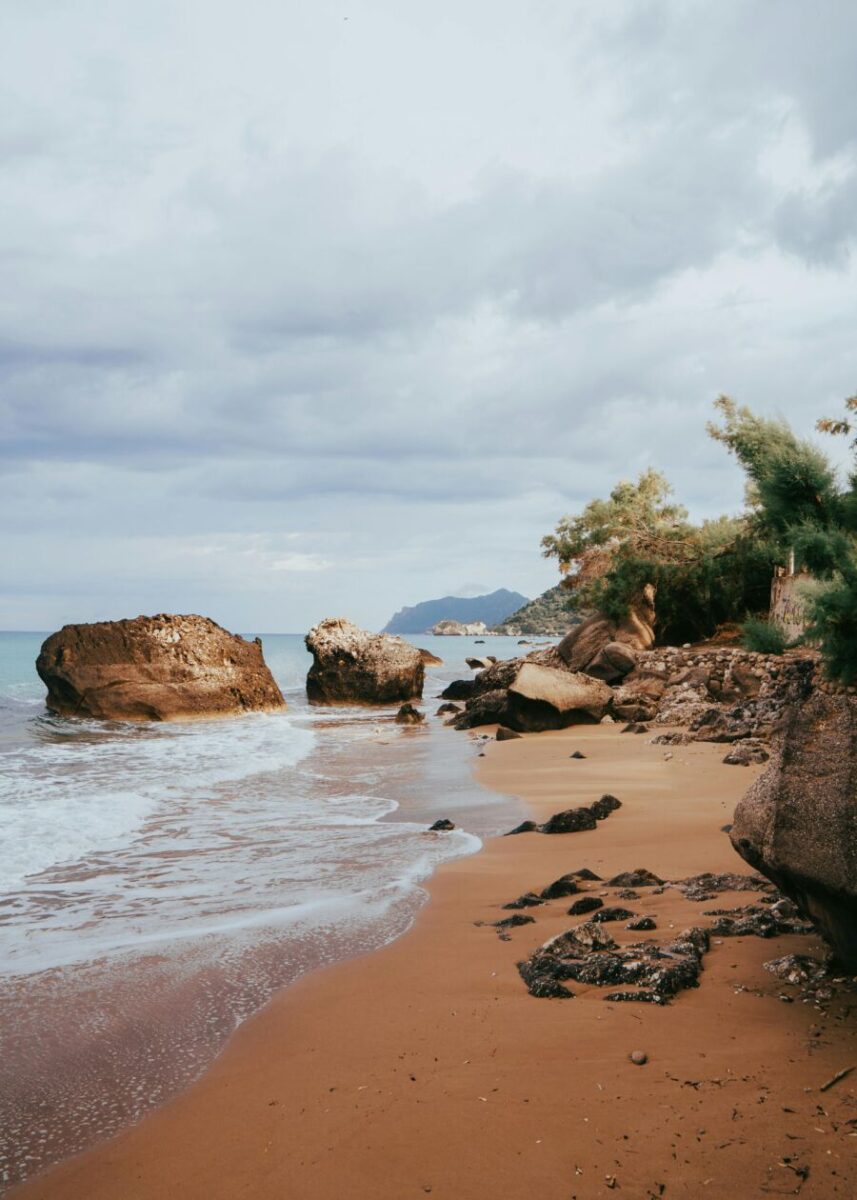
[491,609]
[549,615]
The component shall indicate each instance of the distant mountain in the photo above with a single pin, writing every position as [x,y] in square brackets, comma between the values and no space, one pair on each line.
[550,615]
[491,609]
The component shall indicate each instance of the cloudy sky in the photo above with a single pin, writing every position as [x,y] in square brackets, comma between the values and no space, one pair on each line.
[314,308]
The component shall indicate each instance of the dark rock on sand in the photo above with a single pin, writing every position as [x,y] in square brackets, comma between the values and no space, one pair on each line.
[797,822]
[444,709]
[642,923]
[613,913]
[602,808]
[513,922]
[639,877]
[506,735]
[158,668]
[585,873]
[528,900]
[566,885]
[573,820]
[350,664]
[585,904]
[408,715]
[589,955]
[524,827]
[577,754]
[441,826]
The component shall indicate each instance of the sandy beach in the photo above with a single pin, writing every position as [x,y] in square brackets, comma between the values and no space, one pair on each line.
[426,1068]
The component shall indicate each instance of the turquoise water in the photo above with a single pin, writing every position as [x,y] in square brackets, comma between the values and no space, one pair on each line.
[165,879]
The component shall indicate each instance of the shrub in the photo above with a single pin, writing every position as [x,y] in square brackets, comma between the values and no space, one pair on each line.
[765,637]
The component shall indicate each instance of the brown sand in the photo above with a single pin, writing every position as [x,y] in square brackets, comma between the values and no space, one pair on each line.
[427,1069]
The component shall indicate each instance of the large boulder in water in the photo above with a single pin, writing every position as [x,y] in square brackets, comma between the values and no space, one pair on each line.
[607,649]
[159,668]
[798,822]
[351,665]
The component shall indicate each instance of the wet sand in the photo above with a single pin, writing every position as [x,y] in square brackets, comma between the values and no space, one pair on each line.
[426,1068]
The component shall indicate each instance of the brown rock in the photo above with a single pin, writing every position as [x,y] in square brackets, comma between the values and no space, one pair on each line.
[162,668]
[606,650]
[408,715]
[353,665]
[796,823]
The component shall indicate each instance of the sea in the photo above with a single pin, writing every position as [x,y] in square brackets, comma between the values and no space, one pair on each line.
[159,882]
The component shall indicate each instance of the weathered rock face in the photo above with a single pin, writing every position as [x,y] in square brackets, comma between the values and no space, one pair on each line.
[353,665]
[797,823]
[607,650]
[162,668]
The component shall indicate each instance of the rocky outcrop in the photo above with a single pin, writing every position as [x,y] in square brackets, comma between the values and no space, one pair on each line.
[351,665]
[606,649]
[162,668]
[459,629]
[797,822]
[530,696]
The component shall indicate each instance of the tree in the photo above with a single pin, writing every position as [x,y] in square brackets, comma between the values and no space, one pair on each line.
[798,504]
[703,574]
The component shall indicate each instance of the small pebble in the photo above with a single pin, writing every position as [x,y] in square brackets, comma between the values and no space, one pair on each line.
[638,1057]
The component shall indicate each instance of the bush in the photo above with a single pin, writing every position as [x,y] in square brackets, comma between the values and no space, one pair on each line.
[764,637]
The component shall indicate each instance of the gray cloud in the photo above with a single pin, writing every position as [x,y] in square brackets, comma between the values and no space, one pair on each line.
[393,293]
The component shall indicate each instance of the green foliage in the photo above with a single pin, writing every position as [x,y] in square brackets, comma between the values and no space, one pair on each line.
[800,505]
[765,637]
[833,623]
[637,514]
[703,574]
[548,615]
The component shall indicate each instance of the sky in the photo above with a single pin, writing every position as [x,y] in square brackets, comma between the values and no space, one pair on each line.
[314,309]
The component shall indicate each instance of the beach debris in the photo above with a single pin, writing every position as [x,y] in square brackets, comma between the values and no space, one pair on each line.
[639,1057]
[797,969]
[506,735]
[639,877]
[627,894]
[441,826]
[834,1079]
[614,913]
[642,923]
[585,904]
[528,900]
[577,754]
[409,715]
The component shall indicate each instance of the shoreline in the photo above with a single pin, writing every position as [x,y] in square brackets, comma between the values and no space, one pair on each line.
[425,1067]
